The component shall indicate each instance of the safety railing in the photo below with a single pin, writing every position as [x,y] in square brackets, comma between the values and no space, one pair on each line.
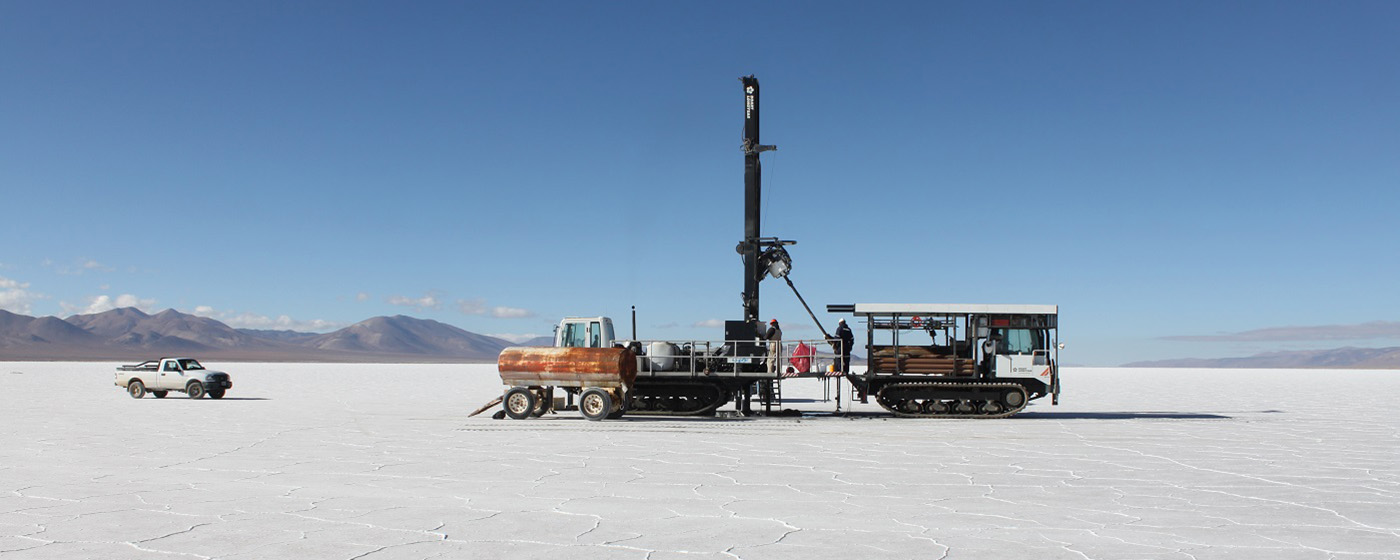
[747,358]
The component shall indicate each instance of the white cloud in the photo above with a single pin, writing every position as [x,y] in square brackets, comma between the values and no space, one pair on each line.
[709,323]
[245,320]
[510,312]
[104,302]
[428,301]
[16,297]
[362,296]
[516,338]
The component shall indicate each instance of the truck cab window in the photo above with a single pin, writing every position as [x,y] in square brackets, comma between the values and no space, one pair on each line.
[595,331]
[170,366]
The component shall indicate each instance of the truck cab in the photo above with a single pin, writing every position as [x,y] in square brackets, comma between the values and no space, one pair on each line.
[584,332]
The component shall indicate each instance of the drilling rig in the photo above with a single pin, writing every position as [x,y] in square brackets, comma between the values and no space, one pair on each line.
[954,360]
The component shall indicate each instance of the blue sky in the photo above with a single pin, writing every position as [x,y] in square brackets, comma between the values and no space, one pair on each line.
[1182,178]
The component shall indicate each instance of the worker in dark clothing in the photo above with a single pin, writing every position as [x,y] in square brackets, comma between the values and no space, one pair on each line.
[844,339]
[774,336]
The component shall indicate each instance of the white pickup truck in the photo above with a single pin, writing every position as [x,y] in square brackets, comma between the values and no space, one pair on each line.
[159,377]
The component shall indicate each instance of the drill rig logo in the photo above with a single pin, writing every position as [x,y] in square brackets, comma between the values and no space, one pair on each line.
[748,102]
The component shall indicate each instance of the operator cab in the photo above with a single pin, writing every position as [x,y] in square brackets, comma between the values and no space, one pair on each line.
[584,332]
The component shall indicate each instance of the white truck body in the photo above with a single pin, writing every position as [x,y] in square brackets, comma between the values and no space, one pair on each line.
[185,375]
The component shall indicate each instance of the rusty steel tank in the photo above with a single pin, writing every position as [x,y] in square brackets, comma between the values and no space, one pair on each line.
[568,367]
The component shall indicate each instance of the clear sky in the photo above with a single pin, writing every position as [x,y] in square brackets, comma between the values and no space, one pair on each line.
[1182,178]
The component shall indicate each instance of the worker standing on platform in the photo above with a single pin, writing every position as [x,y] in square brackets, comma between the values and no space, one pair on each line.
[846,339]
[774,336]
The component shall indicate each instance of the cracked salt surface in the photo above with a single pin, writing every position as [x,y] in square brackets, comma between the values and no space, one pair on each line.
[329,461]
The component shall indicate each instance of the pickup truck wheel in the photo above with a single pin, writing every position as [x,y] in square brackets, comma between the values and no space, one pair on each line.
[160,394]
[194,390]
[595,404]
[216,393]
[137,389]
[519,402]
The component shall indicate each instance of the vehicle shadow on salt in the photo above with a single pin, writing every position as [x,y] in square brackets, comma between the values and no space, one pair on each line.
[240,399]
[1123,415]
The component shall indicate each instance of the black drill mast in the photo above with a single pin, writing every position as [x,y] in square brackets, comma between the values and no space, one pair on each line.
[752,246]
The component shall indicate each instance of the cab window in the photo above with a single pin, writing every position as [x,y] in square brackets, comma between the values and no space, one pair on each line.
[575,335]
[595,330]
[170,366]
[1019,341]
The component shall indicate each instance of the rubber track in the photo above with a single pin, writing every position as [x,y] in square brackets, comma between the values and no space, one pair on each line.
[880,398]
[659,390]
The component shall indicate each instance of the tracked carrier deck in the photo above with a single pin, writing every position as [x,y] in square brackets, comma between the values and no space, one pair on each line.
[957,360]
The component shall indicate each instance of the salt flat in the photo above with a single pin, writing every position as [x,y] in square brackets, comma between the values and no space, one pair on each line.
[381,462]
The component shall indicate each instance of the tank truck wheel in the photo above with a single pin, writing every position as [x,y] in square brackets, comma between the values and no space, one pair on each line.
[623,407]
[194,390]
[518,402]
[545,398]
[216,393]
[160,394]
[595,404]
[137,389]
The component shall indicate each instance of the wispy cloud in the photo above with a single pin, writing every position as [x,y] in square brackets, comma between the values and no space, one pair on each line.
[472,306]
[428,301]
[362,296]
[479,307]
[709,323]
[104,302]
[16,297]
[1360,331]
[77,267]
[245,320]
[502,312]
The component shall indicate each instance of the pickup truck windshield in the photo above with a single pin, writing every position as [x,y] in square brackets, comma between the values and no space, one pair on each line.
[189,365]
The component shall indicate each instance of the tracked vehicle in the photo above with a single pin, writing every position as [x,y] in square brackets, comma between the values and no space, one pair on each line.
[957,360]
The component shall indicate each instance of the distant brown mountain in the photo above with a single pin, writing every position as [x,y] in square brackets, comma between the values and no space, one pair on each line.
[1359,358]
[22,331]
[130,334]
[406,335]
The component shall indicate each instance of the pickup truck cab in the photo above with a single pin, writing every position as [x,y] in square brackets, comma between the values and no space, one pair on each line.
[159,377]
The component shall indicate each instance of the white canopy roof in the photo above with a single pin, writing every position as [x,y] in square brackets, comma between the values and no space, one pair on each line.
[953,309]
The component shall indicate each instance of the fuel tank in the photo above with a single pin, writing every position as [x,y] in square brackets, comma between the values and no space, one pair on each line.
[567,367]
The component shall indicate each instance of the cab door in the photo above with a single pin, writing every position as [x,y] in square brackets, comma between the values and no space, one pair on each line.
[170,376]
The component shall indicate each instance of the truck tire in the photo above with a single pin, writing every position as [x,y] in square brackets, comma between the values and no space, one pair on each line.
[545,399]
[519,402]
[137,389]
[595,404]
[194,390]
[160,394]
[216,393]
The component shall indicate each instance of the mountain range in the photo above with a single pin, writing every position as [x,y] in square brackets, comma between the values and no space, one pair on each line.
[131,334]
[1360,358]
